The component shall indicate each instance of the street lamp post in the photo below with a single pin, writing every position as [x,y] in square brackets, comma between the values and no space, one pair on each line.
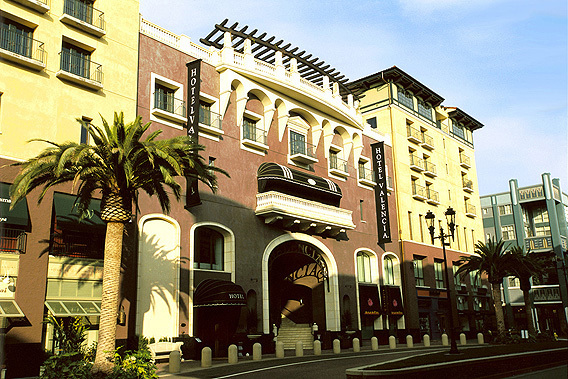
[451,221]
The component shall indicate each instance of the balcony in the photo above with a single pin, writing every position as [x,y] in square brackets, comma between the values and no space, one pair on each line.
[42,6]
[254,137]
[433,197]
[82,15]
[367,177]
[547,294]
[168,107]
[302,152]
[13,240]
[338,166]
[21,49]
[413,134]
[429,169]
[210,122]
[80,70]
[539,243]
[427,141]
[467,185]
[470,210]
[302,214]
[419,192]
[416,163]
[465,161]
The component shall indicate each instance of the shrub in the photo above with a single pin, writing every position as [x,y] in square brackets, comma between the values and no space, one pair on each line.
[66,365]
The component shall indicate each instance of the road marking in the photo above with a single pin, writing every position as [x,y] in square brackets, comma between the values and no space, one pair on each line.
[312,361]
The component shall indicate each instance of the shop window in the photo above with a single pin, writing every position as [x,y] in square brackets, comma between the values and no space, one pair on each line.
[364,267]
[418,263]
[439,273]
[209,249]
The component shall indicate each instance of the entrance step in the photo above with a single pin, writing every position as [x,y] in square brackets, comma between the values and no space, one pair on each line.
[290,333]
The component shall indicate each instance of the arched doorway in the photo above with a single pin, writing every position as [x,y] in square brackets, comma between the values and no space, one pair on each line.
[298,279]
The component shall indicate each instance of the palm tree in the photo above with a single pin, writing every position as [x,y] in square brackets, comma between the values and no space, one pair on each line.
[490,259]
[524,267]
[117,165]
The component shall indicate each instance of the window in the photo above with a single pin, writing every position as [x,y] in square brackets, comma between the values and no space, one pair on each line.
[439,273]
[388,268]
[204,113]
[365,173]
[166,103]
[508,232]
[514,282]
[425,110]
[297,143]
[84,133]
[475,280]
[337,164]
[540,214]
[364,267]
[16,38]
[418,270]
[505,209]
[457,278]
[249,129]
[462,303]
[458,130]
[212,161]
[372,122]
[543,230]
[209,249]
[164,98]
[405,98]
[361,209]
[410,224]
[78,62]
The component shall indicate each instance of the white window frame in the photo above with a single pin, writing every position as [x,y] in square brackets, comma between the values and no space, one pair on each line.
[164,117]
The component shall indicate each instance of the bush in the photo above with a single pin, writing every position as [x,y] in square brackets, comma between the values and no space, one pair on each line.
[66,365]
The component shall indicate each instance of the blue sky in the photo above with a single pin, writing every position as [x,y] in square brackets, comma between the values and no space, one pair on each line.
[504,62]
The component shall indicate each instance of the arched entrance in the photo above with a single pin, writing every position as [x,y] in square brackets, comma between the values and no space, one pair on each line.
[298,279]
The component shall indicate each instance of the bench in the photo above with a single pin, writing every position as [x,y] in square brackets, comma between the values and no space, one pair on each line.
[162,350]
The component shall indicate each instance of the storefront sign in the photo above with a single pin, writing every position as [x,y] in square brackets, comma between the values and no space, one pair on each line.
[381,193]
[369,300]
[193,88]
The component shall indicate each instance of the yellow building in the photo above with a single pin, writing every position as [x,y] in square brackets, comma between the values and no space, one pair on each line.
[60,60]
[434,168]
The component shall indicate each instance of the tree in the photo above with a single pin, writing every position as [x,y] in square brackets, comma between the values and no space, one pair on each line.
[524,267]
[117,164]
[491,259]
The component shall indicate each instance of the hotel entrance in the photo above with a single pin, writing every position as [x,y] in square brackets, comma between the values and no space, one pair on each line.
[298,279]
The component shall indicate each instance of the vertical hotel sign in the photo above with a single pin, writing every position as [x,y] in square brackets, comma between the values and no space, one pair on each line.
[193,88]
[381,193]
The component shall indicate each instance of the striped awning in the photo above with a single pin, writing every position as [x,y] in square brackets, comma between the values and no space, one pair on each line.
[276,177]
[9,308]
[67,308]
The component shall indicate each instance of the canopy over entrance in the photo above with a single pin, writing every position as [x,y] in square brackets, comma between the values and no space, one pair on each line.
[216,292]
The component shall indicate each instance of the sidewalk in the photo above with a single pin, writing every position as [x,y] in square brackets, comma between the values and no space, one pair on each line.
[188,366]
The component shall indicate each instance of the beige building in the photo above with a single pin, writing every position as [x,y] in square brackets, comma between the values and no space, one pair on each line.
[434,168]
[60,60]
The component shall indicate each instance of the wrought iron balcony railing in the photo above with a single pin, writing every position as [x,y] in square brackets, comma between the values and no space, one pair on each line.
[78,65]
[252,133]
[429,168]
[337,164]
[13,240]
[210,119]
[419,192]
[169,104]
[416,163]
[84,11]
[465,161]
[467,185]
[413,134]
[366,175]
[14,42]
[470,210]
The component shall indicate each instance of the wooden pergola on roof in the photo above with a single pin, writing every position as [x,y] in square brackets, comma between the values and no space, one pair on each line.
[263,48]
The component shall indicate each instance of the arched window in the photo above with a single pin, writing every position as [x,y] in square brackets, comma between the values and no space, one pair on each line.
[209,249]
[364,267]
[388,268]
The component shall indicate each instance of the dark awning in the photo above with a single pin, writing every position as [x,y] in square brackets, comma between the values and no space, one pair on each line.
[369,300]
[392,300]
[275,177]
[9,308]
[66,212]
[18,217]
[215,292]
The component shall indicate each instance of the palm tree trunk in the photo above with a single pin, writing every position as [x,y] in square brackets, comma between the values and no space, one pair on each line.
[528,310]
[500,318]
[109,305]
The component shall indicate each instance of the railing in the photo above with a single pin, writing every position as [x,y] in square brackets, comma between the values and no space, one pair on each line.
[276,202]
[299,146]
[22,45]
[366,174]
[78,245]
[430,167]
[418,190]
[470,209]
[433,195]
[78,65]
[427,139]
[464,160]
[413,133]
[169,104]
[467,184]
[13,240]
[336,163]
[85,12]
[252,133]
[416,161]
[209,118]
[538,243]
[547,293]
